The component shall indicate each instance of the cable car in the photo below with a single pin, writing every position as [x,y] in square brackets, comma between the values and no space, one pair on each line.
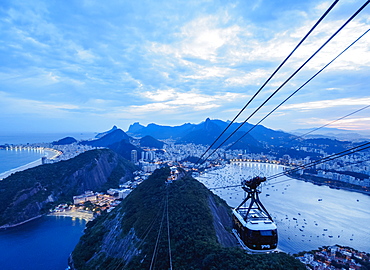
[253,225]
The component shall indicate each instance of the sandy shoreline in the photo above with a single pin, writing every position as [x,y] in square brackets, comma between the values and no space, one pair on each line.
[82,214]
[50,154]
[21,168]
[20,223]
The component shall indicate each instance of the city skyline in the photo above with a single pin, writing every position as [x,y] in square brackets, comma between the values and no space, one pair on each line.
[86,66]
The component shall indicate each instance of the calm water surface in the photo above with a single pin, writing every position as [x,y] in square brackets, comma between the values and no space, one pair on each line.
[11,159]
[40,244]
[22,138]
[44,243]
[308,216]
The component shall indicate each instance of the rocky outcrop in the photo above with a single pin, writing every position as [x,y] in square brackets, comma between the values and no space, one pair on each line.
[30,193]
[222,223]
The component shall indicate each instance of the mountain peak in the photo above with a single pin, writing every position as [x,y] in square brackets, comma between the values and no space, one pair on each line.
[100,135]
[135,127]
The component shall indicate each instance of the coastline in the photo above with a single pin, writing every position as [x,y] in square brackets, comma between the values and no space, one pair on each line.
[82,214]
[49,153]
[4,227]
[20,168]
[334,184]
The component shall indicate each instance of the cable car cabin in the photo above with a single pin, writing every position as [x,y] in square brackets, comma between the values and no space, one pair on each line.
[257,231]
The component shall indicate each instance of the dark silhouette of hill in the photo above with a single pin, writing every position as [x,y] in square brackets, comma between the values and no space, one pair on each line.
[158,131]
[124,149]
[108,139]
[64,141]
[207,131]
[247,143]
[100,135]
[204,133]
[149,141]
[135,128]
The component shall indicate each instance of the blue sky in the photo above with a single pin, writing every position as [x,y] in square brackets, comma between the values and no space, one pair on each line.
[84,65]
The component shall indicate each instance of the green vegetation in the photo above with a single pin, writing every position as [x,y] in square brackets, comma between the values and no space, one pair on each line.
[32,192]
[194,243]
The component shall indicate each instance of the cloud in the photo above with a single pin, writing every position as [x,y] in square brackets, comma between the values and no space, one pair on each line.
[358,123]
[11,105]
[252,78]
[173,101]
[184,59]
[201,38]
[86,55]
[328,103]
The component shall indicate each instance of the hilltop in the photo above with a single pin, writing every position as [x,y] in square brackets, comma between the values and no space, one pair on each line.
[199,225]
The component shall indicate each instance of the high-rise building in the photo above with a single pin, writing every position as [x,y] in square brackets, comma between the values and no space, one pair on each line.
[133,156]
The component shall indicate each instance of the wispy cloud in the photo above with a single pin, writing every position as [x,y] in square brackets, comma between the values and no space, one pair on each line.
[175,101]
[156,61]
[324,104]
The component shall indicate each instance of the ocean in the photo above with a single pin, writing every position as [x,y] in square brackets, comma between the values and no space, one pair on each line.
[44,243]
[308,216]
[21,138]
[41,244]
[11,159]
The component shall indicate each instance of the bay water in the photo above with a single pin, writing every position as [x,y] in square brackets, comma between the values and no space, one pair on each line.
[44,243]
[308,216]
[41,244]
[12,159]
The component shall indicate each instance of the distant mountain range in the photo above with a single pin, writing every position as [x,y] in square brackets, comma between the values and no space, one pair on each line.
[332,133]
[258,140]
[207,131]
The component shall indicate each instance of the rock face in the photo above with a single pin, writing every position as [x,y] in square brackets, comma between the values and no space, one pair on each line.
[222,223]
[30,193]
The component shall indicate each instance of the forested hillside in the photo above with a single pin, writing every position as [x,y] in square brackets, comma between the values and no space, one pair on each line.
[134,235]
[30,193]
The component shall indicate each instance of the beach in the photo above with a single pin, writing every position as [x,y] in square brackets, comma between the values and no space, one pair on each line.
[21,168]
[49,153]
[82,214]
